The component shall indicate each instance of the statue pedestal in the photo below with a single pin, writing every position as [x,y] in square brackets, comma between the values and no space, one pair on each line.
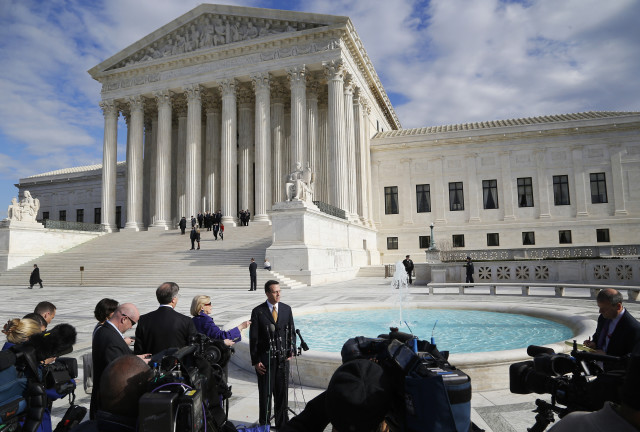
[313,247]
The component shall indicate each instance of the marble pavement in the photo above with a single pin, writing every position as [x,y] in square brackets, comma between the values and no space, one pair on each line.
[496,411]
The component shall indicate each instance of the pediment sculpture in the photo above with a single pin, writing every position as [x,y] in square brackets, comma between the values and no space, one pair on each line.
[212,30]
[299,184]
[26,210]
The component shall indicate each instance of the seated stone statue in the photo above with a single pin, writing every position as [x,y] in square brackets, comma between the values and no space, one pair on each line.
[14,212]
[299,184]
[29,207]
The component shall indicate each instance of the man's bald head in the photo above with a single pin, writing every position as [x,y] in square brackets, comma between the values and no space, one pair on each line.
[125,317]
[130,310]
[123,382]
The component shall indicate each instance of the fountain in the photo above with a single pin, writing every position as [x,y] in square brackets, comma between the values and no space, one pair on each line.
[400,290]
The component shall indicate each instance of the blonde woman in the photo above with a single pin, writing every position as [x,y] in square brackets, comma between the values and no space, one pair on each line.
[201,309]
[19,331]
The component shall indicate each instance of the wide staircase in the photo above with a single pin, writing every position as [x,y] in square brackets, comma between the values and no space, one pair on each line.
[146,258]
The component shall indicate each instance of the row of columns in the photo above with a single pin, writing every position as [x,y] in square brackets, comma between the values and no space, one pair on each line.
[333,139]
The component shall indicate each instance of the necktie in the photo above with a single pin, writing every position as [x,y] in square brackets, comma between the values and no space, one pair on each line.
[274,314]
[602,338]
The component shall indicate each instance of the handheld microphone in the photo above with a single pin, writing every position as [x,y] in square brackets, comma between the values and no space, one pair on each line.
[271,329]
[303,344]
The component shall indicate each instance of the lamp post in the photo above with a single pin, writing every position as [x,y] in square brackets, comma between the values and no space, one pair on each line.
[432,243]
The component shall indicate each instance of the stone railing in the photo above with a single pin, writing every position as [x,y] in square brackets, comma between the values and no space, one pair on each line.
[538,253]
[559,288]
[330,210]
[73,226]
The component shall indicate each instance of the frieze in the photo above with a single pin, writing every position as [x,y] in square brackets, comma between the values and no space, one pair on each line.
[541,253]
[209,31]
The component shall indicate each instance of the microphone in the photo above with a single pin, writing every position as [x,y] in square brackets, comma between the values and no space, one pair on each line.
[303,344]
[271,329]
[54,343]
[534,350]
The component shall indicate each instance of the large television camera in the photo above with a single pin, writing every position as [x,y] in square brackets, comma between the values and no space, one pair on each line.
[188,391]
[576,381]
[24,382]
[429,393]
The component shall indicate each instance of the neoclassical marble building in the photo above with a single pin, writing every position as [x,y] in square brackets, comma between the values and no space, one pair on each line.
[224,101]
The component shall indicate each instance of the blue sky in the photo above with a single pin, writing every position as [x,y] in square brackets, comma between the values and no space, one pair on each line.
[441,62]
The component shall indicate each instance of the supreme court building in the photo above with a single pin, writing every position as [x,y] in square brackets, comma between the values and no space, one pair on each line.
[224,101]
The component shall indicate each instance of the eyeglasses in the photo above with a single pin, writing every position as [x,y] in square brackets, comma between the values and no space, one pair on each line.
[208,304]
[129,318]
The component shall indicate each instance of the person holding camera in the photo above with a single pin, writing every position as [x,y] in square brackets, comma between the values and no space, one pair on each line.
[201,310]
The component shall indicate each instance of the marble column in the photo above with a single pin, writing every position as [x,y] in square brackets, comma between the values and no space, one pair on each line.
[582,182]
[245,140]
[618,177]
[298,81]
[163,162]
[277,141]
[134,165]
[475,193]
[262,87]
[109,164]
[312,132]
[321,177]
[337,157]
[152,168]
[146,169]
[366,110]
[212,155]
[229,154]
[193,150]
[181,160]
[350,142]
[361,158]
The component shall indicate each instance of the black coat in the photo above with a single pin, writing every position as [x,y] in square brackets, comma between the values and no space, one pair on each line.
[252,268]
[625,336]
[161,329]
[35,276]
[259,334]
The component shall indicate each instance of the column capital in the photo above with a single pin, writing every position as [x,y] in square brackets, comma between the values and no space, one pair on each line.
[348,84]
[278,92]
[228,87]
[193,92]
[297,74]
[245,95]
[163,98]
[261,81]
[333,69]
[136,103]
[109,107]
[313,86]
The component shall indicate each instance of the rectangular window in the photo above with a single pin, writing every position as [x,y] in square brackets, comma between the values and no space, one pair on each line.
[423,198]
[392,243]
[424,241]
[490,194]
[97,215]
[79,215]
[598,188]
[63,215]
[391,200]
[561,190]
[564,236]
[45,215]
[458,240]
[456,196]
[528,238]
[493,239]
[525,192]
[602,235]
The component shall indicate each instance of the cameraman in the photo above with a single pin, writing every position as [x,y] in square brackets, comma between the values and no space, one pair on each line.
[612,417]
[357,400]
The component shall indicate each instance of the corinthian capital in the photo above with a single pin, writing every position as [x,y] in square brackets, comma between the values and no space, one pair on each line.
[109,107]
[348,83]
[261,82]
[193,92]
[163,98]
[245,95]
[228,87]
[334,69]
[297,74]
[136,103]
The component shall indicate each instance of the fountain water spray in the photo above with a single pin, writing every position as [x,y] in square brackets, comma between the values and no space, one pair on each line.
[400,288]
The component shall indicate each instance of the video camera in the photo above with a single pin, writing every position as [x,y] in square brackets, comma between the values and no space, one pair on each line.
[429,393]
[189,389]
[23,381]
[576,381]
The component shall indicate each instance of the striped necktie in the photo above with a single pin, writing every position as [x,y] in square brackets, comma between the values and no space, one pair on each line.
[274,314]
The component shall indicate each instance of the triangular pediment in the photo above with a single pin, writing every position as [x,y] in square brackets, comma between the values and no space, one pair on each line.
[211,26]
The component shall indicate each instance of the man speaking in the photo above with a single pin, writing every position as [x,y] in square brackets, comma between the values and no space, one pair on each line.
[271,343]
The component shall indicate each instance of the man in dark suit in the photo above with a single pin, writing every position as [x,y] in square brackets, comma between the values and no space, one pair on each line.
[164,328]
[408,266]
[271,344]
[109,344]
[617,332]
[253,268]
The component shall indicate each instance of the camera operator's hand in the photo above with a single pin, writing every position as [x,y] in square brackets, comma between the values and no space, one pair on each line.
[260,368]
[49,360]
[229,342]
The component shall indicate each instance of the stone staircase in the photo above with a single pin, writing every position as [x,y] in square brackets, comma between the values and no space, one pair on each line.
[147,258]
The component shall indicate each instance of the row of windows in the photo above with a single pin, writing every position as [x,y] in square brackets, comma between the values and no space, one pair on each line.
[97,215]
[493,239]
[490,194]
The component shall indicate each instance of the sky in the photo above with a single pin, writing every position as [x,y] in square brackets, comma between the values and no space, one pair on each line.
[440,61]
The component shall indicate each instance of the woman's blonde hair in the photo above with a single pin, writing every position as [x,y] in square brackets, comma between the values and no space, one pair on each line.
[20,330]
[198,302]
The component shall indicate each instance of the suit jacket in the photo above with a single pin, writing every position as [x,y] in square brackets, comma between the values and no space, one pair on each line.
[624,338]
[161,329]
[284,337]
[252,268]
[107,346]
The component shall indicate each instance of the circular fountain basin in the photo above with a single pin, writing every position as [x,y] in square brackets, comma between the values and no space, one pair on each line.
[489,370]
